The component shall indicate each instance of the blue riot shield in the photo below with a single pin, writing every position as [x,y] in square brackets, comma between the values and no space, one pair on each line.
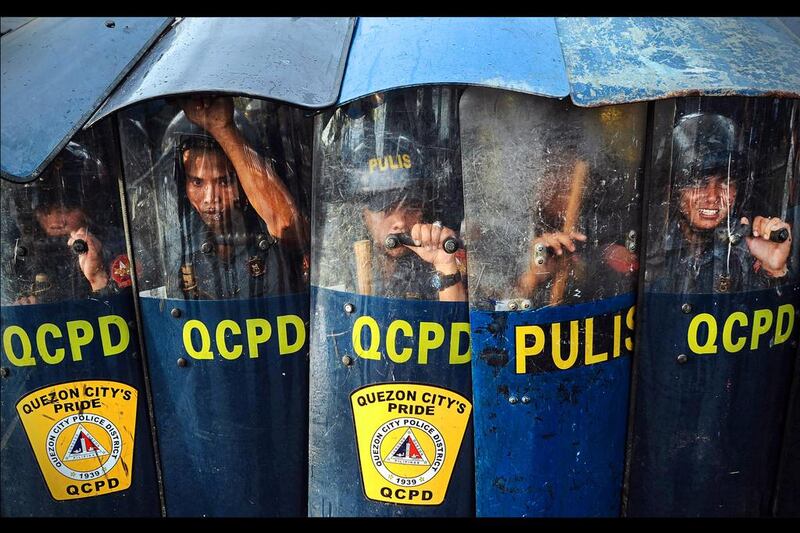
[217,191]
[76,432]
[552,216]
[718,312]
[390,406]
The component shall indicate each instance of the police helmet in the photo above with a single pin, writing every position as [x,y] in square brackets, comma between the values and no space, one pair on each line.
[385,175]
[74,177]
[704,145]
[182,133]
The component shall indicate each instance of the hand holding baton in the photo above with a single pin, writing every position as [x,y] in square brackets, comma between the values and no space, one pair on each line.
[746,230]
[393,240]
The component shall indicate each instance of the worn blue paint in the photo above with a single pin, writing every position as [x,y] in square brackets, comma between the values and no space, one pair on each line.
[294,60]
[562,453]
[707,433]
[55,73]
[23,490]
[231,433]
[519,54]
[334,478]
[617,60]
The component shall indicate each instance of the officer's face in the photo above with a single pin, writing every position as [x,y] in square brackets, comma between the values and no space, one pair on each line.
[60,221]
[706,203]
[210,186]
[398,218]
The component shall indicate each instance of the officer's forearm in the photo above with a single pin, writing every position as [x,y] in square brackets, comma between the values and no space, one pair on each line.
[264,189]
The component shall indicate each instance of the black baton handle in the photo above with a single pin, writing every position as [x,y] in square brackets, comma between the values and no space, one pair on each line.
[393,240]
[778,235]
[79,246]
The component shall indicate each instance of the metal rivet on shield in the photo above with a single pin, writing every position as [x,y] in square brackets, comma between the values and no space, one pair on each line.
[347,360]
[176,313]
[110,24]
[513,306]
[686,308]
[526,304]
[182,362]
[349,308]
[682,358]
[512,399]
[4,372]
[526,399]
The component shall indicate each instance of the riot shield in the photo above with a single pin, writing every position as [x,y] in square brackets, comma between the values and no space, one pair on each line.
[718,318]
[217,193]
[390,403]
[76,436]
[552,213]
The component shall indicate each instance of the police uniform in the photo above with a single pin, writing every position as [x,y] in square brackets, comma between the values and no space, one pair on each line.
[712,266]
[411,279]
[256,264]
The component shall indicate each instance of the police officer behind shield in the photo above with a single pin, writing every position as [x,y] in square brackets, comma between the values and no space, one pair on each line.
[711,248]
[573,265]
[60,253]
[409,256]
[244,233]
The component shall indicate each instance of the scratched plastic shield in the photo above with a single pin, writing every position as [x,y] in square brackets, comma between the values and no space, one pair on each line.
[68,323]
[218,222]
[385,165]
[551,195]
[718,320]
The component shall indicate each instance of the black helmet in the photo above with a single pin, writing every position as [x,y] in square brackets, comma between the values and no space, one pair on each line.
[182,132]
[70,180]
[704,145]
[382,176]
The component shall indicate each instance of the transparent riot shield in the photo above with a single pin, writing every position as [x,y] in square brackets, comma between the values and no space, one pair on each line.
[217,191]
[390,404]
[718,318]
[76,436]
[552,213]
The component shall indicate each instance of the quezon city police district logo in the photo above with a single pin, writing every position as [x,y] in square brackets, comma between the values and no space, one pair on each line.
[82,435]
[408,436]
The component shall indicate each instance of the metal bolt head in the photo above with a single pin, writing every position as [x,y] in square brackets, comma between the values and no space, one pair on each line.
[682,358]
[686,308]
[176,313]
[347,360]
[512,399]
[182,362]
[4,372]
[349,308]
[513,306]
[526,399]
[526,304]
